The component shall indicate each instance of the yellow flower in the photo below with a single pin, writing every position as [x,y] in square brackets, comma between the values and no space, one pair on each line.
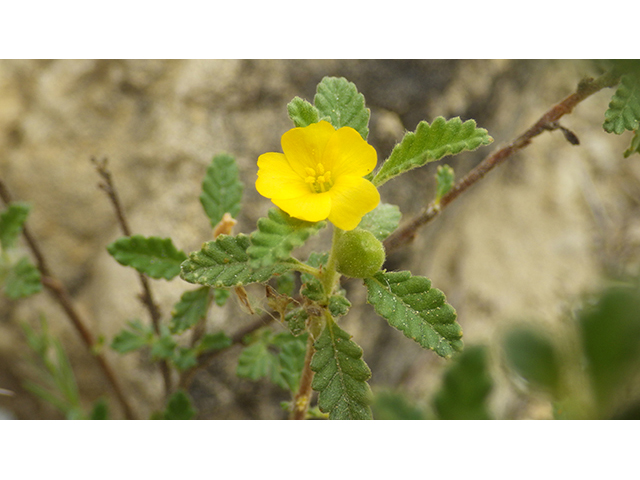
[319,175]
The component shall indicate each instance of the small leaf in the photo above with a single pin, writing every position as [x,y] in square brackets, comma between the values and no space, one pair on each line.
[409,304]
[221,189]
[340,376]
[338,101]
[100,410]
[430,143]
[395,406]
[179,407]
[531,354]
[339,305]
[445,178]
[311,286]
[163,346]
[134,337]
[465,387]
[382,221]
[277,236]
[22,280]
[153,256]
[624,109]
[224,262]
[635,145]
[214,341]
[11,222]
[610,333]
[302,113]
[191,308]
[255,361]
[185,358]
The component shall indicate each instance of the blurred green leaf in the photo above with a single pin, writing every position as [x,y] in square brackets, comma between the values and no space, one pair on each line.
[132,338]
[382,221]
[610,332]
[465,387]
[100,410]
[302,113]
[163,346]
[22,280]
[624,109]
[395,406]
[214,341]
[191,308]
[11,221]
[153,256]
[339,102]
[185,358]
[221,189]
[635,145]
[179,407]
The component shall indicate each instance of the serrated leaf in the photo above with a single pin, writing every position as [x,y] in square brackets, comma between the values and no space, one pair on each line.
[465,387]
[11,222]
[610,332]
[624,109]
[221,188]
[340,376]
[338,101]
[382,221]
[153,256]
[302,113]
[430,143]
[445,179]
[225,262]
[277,236]
[192,307]
[132,338]
[179,407]
[411,305]
[339,305]
[22,280]
[311,286]
[530,352]
[255,361]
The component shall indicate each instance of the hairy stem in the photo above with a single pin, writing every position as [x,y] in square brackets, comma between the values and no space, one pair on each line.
[547,122]
[62,296]
[303,397]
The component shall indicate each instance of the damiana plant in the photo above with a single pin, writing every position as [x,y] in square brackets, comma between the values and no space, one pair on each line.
[328,176]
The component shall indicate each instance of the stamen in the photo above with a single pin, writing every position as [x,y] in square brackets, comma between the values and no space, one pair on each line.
[310,180]
[310,171]
[320,169]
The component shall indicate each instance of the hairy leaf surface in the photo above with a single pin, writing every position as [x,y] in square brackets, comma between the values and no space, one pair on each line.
[225,262]
[339,102]
[411,305]
[277,236]
[221,188]
[302,113]
[153,256]
[430,143]
[382,221]
[340,376]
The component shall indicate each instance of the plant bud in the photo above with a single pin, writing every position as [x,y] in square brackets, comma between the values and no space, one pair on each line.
[359,254]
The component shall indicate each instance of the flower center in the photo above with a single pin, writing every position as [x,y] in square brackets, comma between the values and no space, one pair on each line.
[318,179]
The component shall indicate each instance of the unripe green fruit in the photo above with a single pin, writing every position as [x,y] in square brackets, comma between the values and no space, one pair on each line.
[359,254]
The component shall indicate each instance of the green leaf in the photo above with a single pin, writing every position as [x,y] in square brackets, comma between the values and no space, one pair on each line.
[22,280]
[255,361]
[389,405]
[134,337]
[465,387]
[185,358]
[338,101]
[224,262]
[163,346]
[624,109]
[430,143]
[635,145]
[610,332]
[409,304]
[530,353]
[302,113]
[221,189]
[445,178]
[179,407]
[100,410]
[311,286]
[11,222]
[290,361]
[152,256]
[339,305]
[340,375]
[214,341]
[382,221]
[277,236]
[191,308]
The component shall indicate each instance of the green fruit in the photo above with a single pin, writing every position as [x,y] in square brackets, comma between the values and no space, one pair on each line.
[359,254]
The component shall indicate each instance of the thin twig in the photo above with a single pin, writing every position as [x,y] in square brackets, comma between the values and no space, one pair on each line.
[147,296]
[547,122]
[303,396]
[61,295]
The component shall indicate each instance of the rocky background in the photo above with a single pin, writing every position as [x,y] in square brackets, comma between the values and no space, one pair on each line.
[525,243]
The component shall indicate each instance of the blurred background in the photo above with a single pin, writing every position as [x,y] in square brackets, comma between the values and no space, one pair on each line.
[527,242]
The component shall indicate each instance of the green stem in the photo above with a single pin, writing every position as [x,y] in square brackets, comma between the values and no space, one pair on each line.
[304,268]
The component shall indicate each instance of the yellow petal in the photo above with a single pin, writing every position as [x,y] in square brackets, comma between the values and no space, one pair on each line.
[351,198]
[276,178]
[304,146]
[347,153]
[311,207]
